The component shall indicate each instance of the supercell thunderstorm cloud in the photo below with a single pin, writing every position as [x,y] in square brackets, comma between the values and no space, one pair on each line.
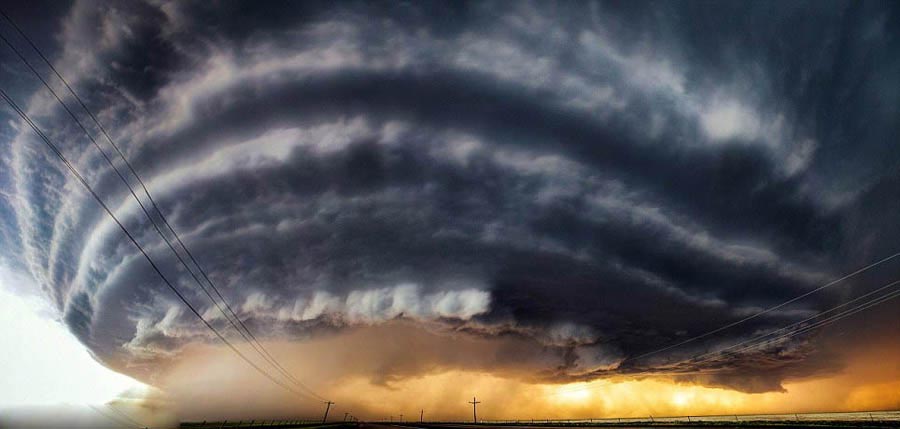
[563,187]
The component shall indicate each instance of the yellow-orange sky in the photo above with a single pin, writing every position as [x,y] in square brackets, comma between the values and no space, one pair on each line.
[352,369]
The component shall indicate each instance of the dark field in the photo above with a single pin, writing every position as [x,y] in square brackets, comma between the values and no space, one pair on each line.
[879,419]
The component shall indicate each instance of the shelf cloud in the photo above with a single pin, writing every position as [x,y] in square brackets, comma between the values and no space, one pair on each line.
[567,186]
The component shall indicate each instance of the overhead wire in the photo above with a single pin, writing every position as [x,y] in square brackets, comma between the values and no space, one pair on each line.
[230,315]
[762,341]
[112,418]
[131,238]
[125,416]
[765,311]
[252,338]
[816,316]
[827,321]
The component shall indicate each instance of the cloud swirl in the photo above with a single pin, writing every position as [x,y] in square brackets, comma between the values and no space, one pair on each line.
[595,180]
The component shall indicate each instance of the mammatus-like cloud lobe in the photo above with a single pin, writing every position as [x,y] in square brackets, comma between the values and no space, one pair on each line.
[576,184]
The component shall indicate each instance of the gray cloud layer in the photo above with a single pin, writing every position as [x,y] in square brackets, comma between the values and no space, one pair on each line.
[598,179]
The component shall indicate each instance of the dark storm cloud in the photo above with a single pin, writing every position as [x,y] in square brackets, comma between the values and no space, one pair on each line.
[597,180]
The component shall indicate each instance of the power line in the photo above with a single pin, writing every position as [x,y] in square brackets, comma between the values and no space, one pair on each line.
[796,324]
[111,418]
[328,405]
[768,310]
[254,342]
[474,404]
[131,238]
[761,340]
[829,320]
[125,416]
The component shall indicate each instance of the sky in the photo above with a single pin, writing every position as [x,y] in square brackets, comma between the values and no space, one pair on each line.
[47,372]
[548,205]
[46,364]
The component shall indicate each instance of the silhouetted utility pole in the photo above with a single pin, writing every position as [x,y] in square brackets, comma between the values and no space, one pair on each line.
[421,414]
[474,404]
[328,407]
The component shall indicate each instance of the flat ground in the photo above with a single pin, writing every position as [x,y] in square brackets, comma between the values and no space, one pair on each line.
[883,419]
[678,424]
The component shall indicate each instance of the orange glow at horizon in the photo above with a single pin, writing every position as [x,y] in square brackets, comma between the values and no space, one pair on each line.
[386,370]
[866,383]
[442,395]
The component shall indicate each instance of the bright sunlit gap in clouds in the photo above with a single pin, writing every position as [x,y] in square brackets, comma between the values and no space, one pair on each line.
[43,364]
[574,393]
